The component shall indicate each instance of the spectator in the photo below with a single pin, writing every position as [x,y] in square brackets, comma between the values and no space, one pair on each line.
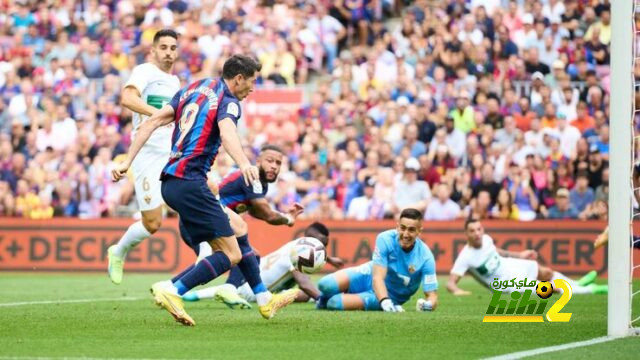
[563,209]
[366,207]
[462,114]
[411,192]
[487,183]
[442,208]
[582,195]
[410,141]
[504,208]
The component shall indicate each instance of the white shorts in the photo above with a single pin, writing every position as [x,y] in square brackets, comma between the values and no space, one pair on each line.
[147,167]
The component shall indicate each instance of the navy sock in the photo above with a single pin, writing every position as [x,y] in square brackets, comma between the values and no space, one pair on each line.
[235,277]
[183,273]
[249,266]
[206,270]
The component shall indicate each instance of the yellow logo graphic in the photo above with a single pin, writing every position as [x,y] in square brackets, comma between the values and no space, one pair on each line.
[523,307]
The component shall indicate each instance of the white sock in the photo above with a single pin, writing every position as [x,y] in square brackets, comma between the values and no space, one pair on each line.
[134,235]
[575,288]
[207,293]
[204,250]
[263,298]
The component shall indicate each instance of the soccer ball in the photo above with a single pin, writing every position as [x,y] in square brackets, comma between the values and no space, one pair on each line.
[544,289]
[308,255]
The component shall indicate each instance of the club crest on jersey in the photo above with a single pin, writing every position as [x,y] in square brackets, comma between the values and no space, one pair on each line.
[412,269]
[241,208]
[257,187]
[233,109]
[147,199]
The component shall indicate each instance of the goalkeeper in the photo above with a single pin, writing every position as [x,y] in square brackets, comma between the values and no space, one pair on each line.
[400,264]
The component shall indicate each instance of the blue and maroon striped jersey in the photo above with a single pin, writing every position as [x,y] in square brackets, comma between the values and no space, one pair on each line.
[196,136]
[236,195]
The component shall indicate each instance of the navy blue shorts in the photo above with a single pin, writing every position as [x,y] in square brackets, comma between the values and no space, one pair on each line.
[201,215]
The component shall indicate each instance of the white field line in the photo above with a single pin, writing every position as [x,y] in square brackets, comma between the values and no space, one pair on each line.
[71,358]
[544,350]
[70,301]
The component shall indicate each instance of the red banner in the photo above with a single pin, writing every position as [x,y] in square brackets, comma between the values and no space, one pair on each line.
[81,245]
[263,103]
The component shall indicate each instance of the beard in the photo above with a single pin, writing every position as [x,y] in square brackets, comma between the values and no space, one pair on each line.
[263,176]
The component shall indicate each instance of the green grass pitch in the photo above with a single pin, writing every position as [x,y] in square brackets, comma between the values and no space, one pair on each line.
[136,329]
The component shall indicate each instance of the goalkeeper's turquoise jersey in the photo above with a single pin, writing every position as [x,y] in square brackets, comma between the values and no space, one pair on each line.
[405,270]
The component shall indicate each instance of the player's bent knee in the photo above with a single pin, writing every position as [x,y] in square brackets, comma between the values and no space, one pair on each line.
[152,224]
[228,245]
[234,256]
[328,285]
[335,302]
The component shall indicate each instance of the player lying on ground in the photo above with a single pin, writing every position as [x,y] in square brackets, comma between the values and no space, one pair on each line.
[277,270]
[485,262]
[205,114]
[401,262]
[150,86]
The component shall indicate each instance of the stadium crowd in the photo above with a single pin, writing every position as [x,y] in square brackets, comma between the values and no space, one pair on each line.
[491,107]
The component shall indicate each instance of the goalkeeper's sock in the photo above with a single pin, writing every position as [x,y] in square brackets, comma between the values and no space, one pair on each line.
[206,270]
[575,287]
[131,238]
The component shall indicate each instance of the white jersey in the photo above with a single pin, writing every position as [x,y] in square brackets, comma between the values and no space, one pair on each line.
[276,268]
[156,88]
[486,264]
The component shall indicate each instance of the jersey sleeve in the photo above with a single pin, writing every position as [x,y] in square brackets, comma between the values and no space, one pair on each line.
[382,250]
[139,78]
[429,280]
[251,191]
[175,101]
[229,108]
[461,265]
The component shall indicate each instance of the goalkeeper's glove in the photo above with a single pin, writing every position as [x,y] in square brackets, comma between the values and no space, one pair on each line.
[388,306]
[424,305]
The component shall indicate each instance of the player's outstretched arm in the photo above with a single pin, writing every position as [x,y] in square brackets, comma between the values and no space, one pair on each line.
[453,288]
[305,284]
[380,289]
[233,146]
[261,209]
[160,118]
[336,262]
[132,100]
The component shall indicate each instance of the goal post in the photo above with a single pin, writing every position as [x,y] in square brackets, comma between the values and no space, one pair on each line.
[621,163]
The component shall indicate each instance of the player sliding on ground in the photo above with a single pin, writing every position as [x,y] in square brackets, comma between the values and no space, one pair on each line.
[277,270]
[206,114]
[401,262]
[485,262]
[149,87]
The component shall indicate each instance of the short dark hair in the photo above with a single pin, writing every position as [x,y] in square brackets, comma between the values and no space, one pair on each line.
[411,213]
[271,147]
[163,33]
[240,65]
[470,220]
[319,227]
